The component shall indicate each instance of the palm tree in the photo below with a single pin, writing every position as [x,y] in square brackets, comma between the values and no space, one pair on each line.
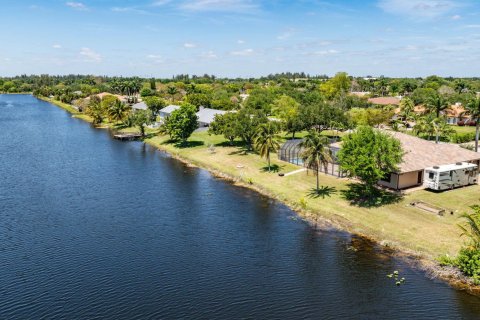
[471,227]
[172,91]
[440,127]
[266,140]
[407,108]
[437,104]
[95,111]
[422,127]
[316,152]
[473,109]
[117,111]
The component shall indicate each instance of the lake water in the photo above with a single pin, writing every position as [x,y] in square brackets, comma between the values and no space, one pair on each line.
[94,228]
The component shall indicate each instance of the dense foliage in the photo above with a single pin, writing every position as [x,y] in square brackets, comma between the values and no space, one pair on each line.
[370,155]
[182,122]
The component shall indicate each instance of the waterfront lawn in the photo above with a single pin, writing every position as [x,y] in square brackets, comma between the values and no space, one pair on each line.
[396,224]
[463,129]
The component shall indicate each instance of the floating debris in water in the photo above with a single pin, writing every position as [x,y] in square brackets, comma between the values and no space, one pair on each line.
[351,248]
[395,276]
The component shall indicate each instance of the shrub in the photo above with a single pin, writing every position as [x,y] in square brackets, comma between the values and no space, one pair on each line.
[446,260]
[462,137]
[468,261]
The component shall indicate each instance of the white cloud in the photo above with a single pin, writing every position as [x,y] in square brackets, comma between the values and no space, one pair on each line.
[456,17]
[189,45]
[243,6]
[90,55]
[155,58]
[160,3]
[419,8]
[326,52]
[129,10]
[77,6]
[241,41]
[209,55]
[246,52]
[285,35]
[57,46]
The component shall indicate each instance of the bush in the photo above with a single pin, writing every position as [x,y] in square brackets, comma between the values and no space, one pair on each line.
[462,137]
[468,261]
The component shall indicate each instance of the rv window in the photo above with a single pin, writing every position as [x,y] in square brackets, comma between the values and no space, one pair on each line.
[431,175]
[443,174]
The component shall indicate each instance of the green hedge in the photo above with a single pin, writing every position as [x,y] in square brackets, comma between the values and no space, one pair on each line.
[462,137]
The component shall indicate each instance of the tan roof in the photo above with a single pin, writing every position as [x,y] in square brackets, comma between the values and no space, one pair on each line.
[104,94]
[385,101]
[421,154]
[455,111]
[419,109]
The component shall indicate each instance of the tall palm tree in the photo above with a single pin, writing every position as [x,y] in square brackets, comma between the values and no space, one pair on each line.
[407,108]
[440,128]
[437,104]
[473,109]
[117,111]
[266,140]
[316,152]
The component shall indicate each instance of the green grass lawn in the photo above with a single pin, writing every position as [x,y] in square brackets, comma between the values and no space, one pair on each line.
[398,223]
[463,129]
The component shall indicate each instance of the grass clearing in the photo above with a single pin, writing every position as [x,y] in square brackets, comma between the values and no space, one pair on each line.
[398,223]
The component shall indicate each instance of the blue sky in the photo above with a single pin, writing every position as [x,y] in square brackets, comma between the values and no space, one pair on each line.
[240,37]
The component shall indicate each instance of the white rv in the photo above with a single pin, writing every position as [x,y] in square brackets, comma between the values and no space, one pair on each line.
[451,176]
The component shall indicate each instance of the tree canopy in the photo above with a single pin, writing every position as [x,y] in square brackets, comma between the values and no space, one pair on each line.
[369,155]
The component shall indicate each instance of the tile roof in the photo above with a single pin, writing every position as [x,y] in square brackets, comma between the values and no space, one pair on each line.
[421,154]
[170,108]
[207,115]
[385,101]
[140,106]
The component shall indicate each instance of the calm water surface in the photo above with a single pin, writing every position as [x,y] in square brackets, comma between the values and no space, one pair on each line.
[93,228]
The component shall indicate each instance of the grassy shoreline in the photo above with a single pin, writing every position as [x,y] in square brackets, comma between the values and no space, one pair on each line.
[420,237]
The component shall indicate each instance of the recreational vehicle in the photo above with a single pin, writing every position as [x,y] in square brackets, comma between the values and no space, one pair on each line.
[451,176]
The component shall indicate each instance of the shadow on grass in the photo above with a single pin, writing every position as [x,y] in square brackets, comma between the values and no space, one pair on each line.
[323,191]
[241,151]
[187,144]
[273,168]
[360,195]
[238,144]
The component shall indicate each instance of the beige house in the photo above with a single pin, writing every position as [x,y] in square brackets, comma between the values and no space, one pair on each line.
[421,154]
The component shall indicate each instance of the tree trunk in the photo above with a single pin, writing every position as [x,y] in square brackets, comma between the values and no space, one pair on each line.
[318,186]
[268,159]
[477,133]
[437,138]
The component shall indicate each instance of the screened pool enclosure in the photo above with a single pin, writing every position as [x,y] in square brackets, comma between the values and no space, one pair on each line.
[291,151]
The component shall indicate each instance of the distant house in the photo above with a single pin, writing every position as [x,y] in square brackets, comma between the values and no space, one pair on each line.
[139,106]
[207,115]
[167,111]
[102,95]
[456,113]
[385,101]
